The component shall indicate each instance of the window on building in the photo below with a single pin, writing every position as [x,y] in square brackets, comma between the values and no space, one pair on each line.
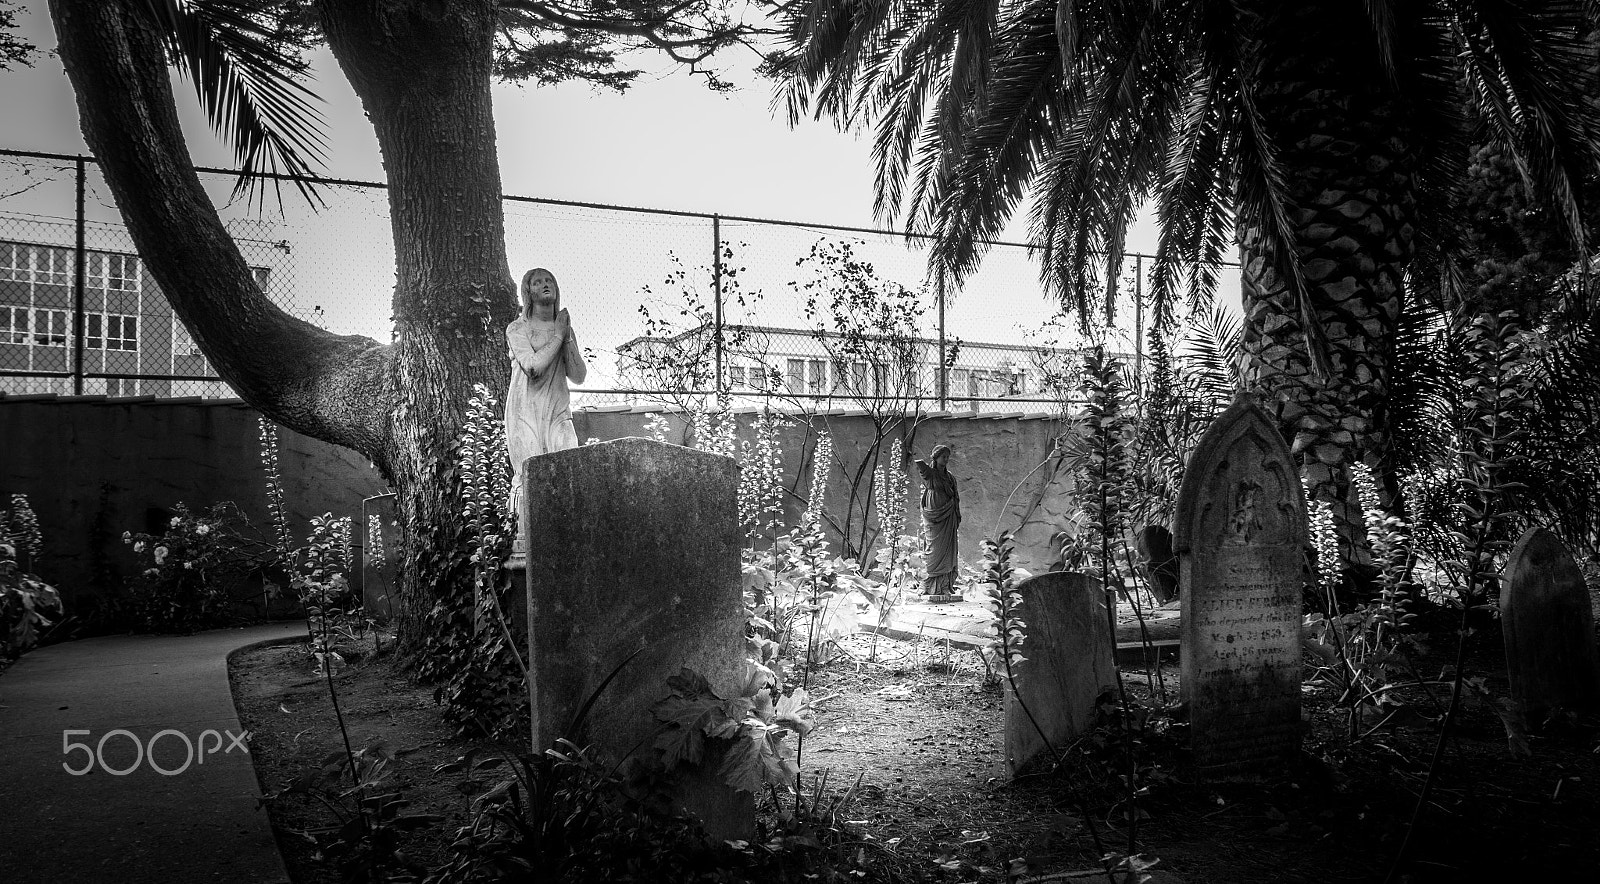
[52,266]
[858,378]
[263,277]
[182,342]
[122,273]
[796,375]
[736,377]
[14,261]
[14,325]
[50,328]
[959,383]
[111,331]
[818,376]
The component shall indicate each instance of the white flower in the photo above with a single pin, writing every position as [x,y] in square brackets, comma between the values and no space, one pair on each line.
[202,529]
[139,547]
[127,537]
[188,565]
[176,521]
[160,554]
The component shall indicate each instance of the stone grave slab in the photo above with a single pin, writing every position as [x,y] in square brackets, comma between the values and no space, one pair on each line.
[1549,628]
[633,549]
[1069,663]
[1240,535]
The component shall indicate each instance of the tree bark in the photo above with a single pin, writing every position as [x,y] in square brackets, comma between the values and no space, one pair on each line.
[422,70]
[1342,139]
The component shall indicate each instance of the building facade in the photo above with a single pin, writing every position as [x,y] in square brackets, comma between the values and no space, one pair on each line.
[133,343]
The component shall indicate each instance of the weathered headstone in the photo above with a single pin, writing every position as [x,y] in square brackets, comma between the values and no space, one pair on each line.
[1549,628]
[633,547]
[1240,534]
[1068,651]
[1160,563]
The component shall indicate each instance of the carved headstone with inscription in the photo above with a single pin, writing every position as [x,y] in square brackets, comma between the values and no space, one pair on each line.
[1549,628]
[1069,663]
[1240,535]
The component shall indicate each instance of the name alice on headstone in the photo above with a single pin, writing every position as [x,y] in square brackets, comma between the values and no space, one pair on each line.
[1240,534]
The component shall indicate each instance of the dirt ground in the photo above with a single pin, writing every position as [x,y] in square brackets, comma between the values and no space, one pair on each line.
[921,728]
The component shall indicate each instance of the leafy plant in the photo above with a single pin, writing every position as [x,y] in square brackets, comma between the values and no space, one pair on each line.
[746,731]
[483,687]
[29,607]
[192,573]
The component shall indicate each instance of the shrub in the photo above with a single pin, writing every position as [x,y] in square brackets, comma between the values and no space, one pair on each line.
[28,605]
[191,574]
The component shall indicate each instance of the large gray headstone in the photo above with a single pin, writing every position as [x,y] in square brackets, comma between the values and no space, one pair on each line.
[1240,535]
[633,546]
[1549,628]
[1069,663]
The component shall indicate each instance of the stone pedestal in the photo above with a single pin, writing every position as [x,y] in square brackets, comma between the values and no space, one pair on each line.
[1240,534]
[633,550]
[1068,651]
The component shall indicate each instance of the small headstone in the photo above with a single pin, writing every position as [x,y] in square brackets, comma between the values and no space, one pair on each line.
[1068,665]
[1549,628]
[633,546]
[1240,534]
[1160,564]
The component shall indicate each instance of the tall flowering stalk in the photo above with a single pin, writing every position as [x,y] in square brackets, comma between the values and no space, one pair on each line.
[20,528]
[269,464]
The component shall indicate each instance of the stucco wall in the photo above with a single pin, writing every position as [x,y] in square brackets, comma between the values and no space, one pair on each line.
[94,468]
[1002,464]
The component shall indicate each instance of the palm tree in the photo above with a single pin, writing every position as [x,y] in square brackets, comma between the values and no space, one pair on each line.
[1323,137]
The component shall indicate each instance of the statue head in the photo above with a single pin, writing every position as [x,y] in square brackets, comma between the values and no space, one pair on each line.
[940,455]
[539,289]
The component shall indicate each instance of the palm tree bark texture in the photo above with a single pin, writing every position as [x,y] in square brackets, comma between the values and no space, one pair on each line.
[1344,141]
[422,71]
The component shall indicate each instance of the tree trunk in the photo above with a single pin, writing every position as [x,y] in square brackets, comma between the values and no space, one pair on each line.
[1342,139]
[421,68]
[422,71]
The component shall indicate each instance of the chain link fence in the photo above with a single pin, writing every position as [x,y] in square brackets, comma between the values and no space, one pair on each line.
[669,306]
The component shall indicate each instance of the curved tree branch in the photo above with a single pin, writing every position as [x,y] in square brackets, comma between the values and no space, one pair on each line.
[332,387]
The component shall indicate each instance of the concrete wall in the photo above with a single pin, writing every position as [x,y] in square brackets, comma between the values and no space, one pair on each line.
[1002,464]
[94,468]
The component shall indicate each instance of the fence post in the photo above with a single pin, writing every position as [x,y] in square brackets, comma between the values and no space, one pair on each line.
[716,294]
[1138,320]
[943,370]
[79,279]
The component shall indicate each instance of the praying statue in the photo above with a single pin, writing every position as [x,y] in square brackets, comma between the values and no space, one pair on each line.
[941,516]
[544,356]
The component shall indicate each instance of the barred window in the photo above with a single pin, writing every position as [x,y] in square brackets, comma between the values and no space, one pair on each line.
[14,325]
[111,331]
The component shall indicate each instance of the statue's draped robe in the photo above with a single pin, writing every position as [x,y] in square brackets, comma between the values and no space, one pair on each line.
[538,406]
[941,516]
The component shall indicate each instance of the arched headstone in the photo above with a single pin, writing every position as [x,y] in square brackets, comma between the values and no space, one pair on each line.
[1549,628]
[1069,663]
[1240,535]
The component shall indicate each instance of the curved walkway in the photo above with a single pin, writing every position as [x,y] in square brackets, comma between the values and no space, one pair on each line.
[122,704]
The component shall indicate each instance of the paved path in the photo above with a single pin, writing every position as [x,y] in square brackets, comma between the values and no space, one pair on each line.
[200,824]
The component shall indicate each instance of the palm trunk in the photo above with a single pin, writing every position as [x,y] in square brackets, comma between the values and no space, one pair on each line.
[1341,137]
